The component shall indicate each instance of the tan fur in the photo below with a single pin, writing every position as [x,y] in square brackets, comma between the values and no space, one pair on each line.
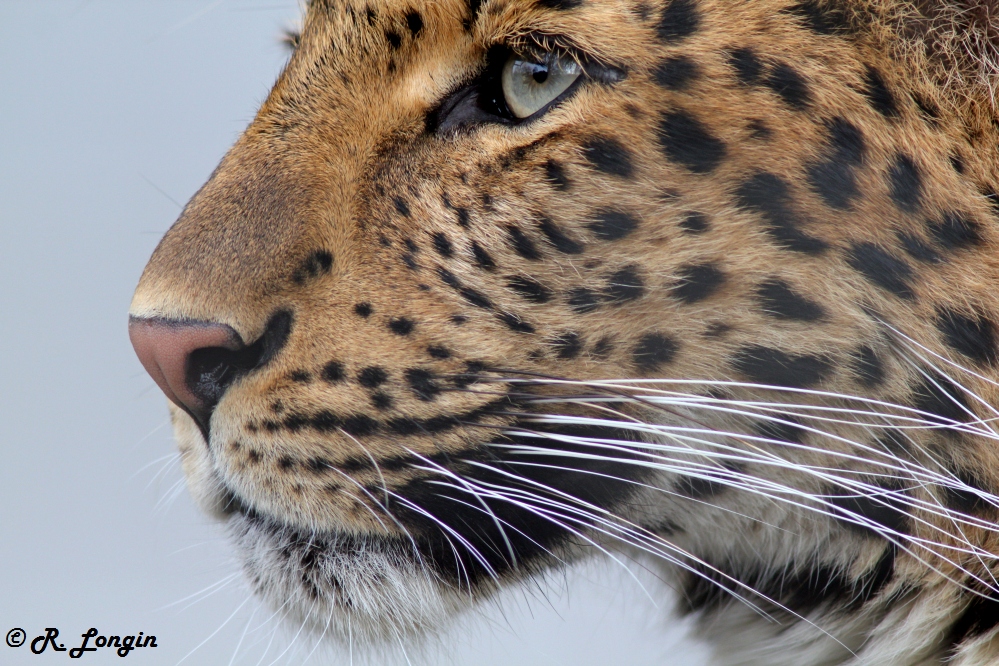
[343,135]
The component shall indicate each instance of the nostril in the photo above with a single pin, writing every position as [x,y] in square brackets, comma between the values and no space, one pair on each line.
[195,362]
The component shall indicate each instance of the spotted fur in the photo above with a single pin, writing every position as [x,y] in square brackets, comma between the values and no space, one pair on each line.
[730,304]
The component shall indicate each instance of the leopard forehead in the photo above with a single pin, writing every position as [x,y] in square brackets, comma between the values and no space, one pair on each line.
[750,200]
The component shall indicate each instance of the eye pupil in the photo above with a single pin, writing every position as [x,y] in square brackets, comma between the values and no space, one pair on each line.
[540,75]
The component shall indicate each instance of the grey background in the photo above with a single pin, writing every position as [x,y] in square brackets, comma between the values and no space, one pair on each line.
[112,113]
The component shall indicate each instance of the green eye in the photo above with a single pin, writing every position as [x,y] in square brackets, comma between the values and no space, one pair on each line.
[529,86]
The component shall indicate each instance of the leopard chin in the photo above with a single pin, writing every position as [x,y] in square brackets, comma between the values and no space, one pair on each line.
[488,288]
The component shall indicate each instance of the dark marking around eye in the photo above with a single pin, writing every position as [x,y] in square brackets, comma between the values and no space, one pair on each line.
[608,155]
[955,231]
[790,86]
[865,513]
[583,300]
[905,183]
[625,285]
[414,22]
[867,367]
[695,282]
[363,310]
[778,368]
[401,325]
[676,73]
[653,351]
[878,94]
[443,245]
[769,195]
[423,383]
[529,289]
[939,397]
[820,18]
[834,178]
[748,67]
[686,140]
[555,174]
[301,376]
[333,372]
[916,248]
[882,269]
[680,18]
[694,223]
[393,38]
[568,345]
[401,206]
[515,322]
[559,240]
[779,300]
[439,352]
[372,376]
[522,243]
[612,224]
[973,336]
[482,258]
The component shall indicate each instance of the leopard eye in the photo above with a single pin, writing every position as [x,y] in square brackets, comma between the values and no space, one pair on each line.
[529,86]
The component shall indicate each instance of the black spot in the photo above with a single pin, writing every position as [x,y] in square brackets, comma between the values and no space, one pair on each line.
[905,183]
[403,208]
[695,282]
[473,12]
[653,351]
[401,325]
[410,261]
[411,245]
[694,223]
[711,484]
[956,231]
[515,323]
[318,263]
[439,352]
[612,224]
[748,67]
[929,111]
[423,383]
[560,5]
[583,300]
[781,428]
[979,618]
[301,376]
[359,425]
[834,178]
[608,155]
[462,214]
[471,295]
[286,462]
[685,140]
[769,195]
[939,397]
[823,19]
[957,163]
[868,512]
[567,345]
[393,38]
[680,18]
[774,367]
[882,269]
[967,500]
[458,320]
[867,367]
[522,244]
[759,129]
[555,174]
[333,372]
[363,309]
[443,245]
[878,95]
[415,22]
[676,73]
[381,400]
[779,300]
[529,289]
[372,376]
[916,248]
[482,258]
[625,285]
[974,336]
[603,347]
[558,239]
[790,85]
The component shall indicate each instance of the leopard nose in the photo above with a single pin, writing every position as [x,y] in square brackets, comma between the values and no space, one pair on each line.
[193,362]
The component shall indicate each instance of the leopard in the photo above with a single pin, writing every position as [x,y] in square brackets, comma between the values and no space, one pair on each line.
[488,288]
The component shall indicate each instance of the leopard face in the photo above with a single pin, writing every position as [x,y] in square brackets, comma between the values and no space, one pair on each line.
[488,287]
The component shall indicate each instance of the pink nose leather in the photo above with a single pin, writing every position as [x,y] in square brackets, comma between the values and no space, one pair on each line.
[165,346]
